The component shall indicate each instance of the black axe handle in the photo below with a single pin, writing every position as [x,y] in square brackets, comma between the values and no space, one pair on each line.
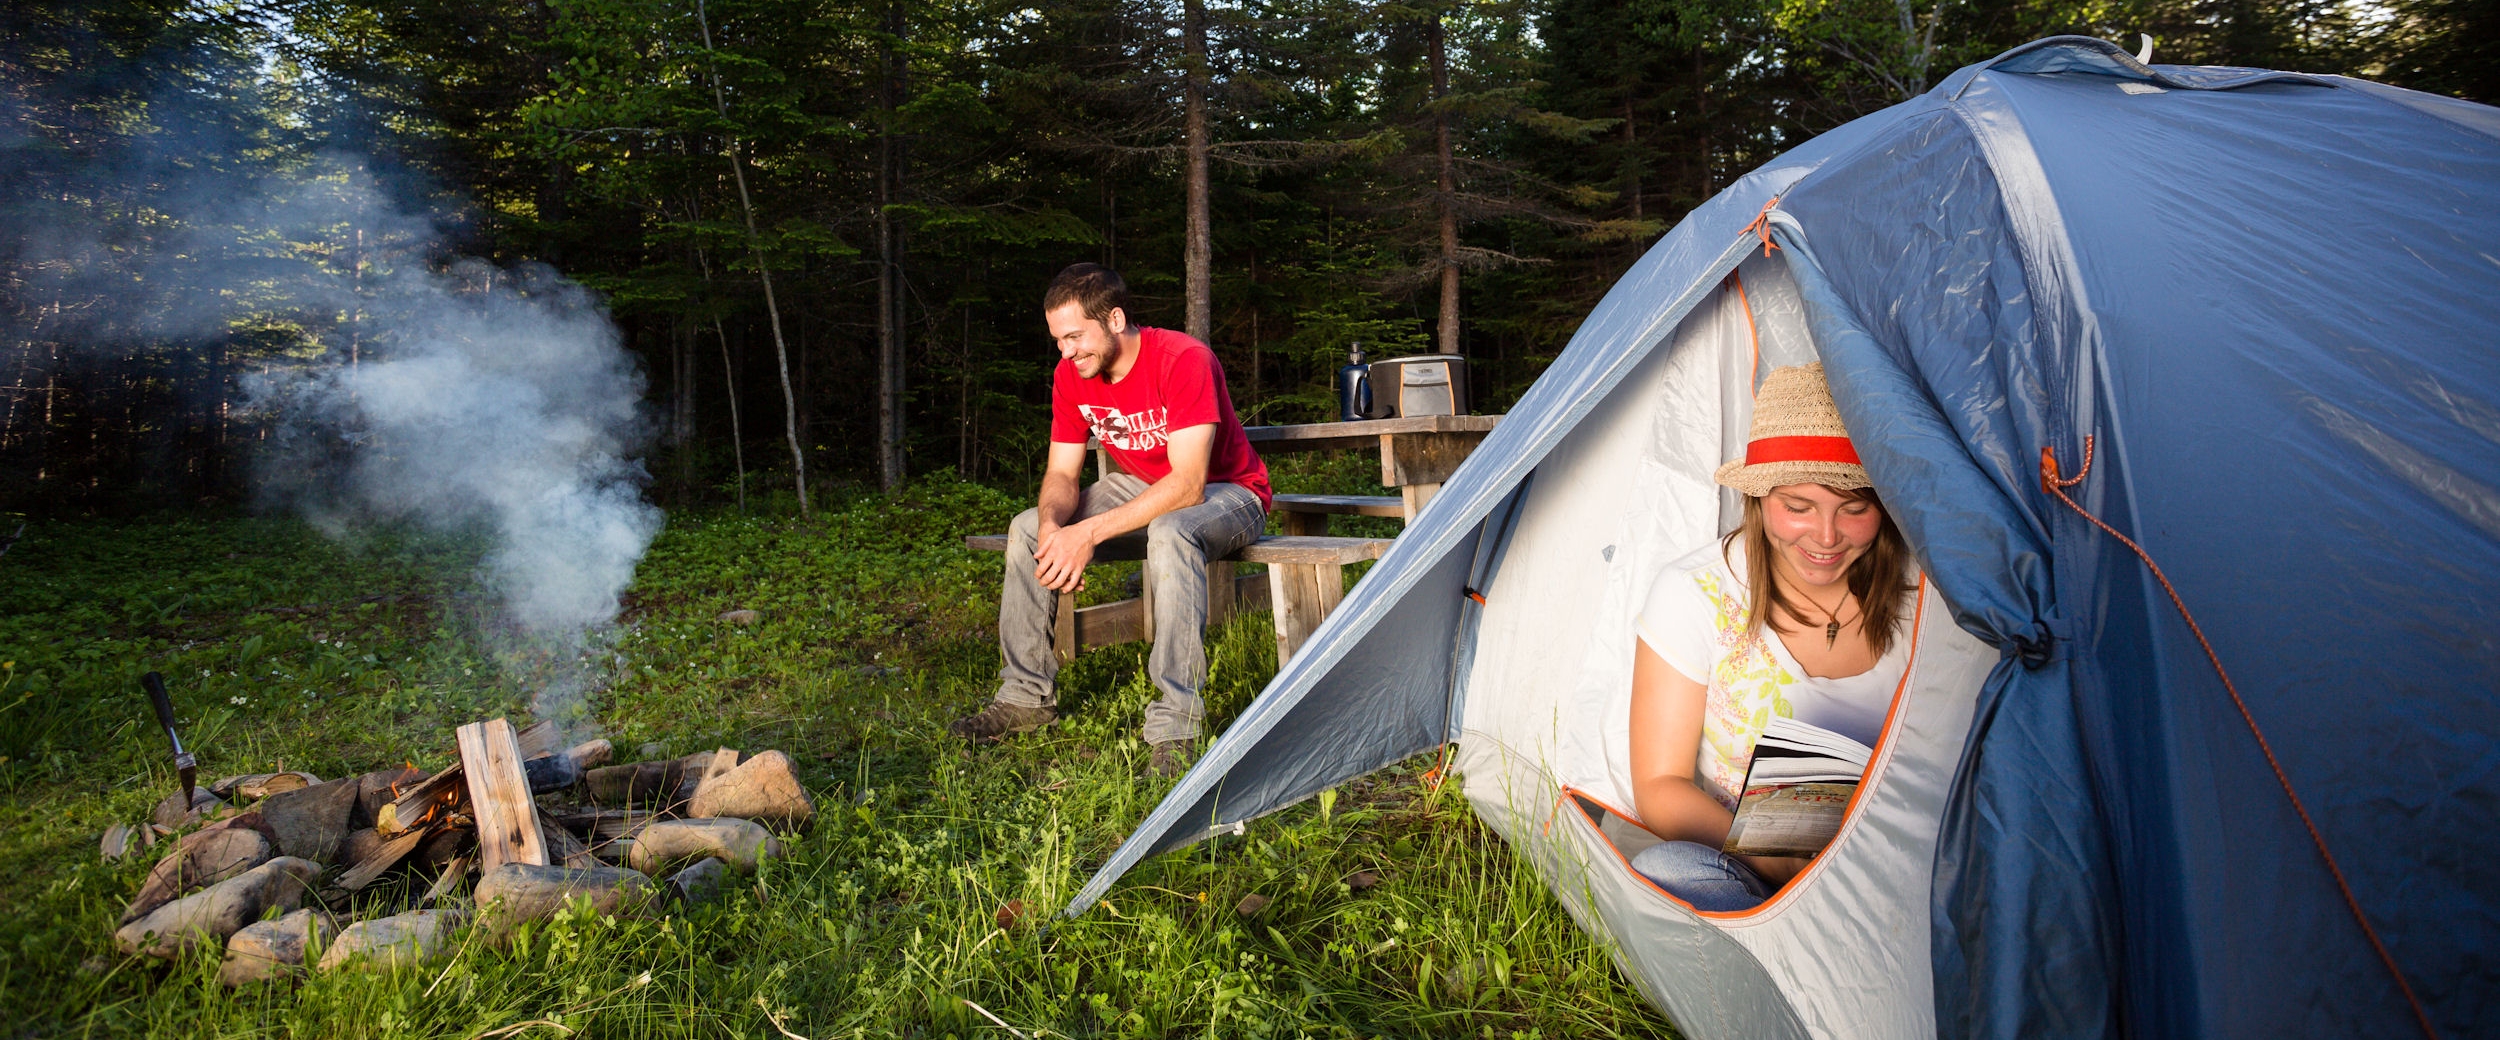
[164,702]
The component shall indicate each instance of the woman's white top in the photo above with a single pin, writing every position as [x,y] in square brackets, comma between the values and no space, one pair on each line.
[1695,622]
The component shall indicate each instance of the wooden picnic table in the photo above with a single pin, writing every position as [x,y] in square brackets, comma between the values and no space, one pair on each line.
[1417,453]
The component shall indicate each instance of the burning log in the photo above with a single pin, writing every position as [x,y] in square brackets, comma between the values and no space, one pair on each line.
[419,804]
[383,854]
[378,788]
[499,796]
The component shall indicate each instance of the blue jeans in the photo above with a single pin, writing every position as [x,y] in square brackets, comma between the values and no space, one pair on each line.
[1178,546]
[1703,876]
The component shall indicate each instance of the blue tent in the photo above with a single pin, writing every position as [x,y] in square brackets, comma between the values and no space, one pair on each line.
[2264,310]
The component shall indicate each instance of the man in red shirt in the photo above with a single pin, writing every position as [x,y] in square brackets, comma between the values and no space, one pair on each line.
[1189,485]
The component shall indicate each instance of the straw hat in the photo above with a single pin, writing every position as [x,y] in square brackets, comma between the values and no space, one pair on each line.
[1796,438]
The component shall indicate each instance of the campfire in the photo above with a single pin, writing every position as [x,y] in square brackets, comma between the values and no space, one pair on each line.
[513,831]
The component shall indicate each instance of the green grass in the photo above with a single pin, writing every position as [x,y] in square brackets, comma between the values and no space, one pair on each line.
[885,919]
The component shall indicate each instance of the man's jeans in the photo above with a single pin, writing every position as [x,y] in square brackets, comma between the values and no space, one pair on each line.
[1178,546]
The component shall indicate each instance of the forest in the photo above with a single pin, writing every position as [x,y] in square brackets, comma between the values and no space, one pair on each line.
[821,228]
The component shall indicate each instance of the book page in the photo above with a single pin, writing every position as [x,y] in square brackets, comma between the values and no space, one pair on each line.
[1788,820]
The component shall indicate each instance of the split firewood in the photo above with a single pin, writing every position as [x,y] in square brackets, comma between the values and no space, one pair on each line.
[311,821]
[538,739]
[550,773]
[743,843]
[517,893]
[377,788]
[764,788]
[405,940]
[205,918]
[590,754]
[274,949]
[384,855]
[638,783]
[261,785]
[122,839]
[203,858]
[448,841]
[562,847]
[174,814]
[605,824]
[499,796]
[418,805]
[693,768]
[445,882]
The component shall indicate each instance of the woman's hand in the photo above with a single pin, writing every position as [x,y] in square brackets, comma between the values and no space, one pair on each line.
[1666,741]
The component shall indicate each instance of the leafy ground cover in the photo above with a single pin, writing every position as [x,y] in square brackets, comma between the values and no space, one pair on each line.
[915,904]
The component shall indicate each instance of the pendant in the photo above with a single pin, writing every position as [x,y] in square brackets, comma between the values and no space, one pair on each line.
[1831,634]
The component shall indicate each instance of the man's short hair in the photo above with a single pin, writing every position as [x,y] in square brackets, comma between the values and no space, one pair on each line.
[1098,288]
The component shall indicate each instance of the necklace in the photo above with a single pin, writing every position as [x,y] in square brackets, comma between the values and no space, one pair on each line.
[1831,618]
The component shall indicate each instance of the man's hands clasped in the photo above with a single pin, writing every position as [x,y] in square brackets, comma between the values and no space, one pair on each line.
[1060,556]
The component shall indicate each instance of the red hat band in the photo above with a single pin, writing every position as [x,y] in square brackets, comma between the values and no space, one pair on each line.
[1801,449]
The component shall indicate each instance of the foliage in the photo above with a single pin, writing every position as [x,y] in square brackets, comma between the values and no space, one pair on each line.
[283,647]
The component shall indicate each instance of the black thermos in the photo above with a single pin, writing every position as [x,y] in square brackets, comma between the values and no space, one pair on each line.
[1354,386]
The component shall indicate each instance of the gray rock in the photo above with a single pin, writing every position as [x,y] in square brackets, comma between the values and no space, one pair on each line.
[764,788]
[517,893]
[742,843]
[700,883]
[403,941]
[205,918]
[274,949]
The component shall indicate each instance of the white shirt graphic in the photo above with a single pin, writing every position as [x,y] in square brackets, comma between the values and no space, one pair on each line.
[1128,431]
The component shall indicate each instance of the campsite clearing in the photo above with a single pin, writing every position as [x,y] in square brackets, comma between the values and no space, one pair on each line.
[885,919]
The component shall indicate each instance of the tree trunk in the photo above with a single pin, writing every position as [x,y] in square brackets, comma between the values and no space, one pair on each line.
[1448,187]
[890,359]
[755,245]
[1198,249]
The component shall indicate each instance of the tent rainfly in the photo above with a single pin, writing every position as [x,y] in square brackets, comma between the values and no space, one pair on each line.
[2258,314]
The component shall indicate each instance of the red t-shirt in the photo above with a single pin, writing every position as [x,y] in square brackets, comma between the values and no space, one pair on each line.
[1176,384]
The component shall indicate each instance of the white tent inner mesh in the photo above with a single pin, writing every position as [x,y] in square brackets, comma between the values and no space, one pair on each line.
[1841,951]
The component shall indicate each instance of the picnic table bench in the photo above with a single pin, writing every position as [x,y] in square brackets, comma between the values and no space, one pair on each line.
[1305,566]
[1305,580]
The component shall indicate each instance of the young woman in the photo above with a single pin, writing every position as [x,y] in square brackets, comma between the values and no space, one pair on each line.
[1799,613]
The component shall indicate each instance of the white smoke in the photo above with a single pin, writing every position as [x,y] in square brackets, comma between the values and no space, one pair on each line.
[497,400]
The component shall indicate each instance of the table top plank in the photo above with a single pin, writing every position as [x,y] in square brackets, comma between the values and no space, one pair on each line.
[1342,505]
[1359,434]
[1271,549]
[1373,427]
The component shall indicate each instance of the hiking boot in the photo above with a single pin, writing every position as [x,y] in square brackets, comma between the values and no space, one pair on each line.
[1001,720]
[1171,758]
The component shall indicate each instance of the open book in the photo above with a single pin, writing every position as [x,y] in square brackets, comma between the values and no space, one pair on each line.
[1796,790]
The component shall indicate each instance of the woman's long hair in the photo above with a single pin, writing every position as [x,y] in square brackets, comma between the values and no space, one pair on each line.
[1885,566]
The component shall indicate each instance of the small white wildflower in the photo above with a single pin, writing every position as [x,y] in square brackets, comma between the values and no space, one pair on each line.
[238,701]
